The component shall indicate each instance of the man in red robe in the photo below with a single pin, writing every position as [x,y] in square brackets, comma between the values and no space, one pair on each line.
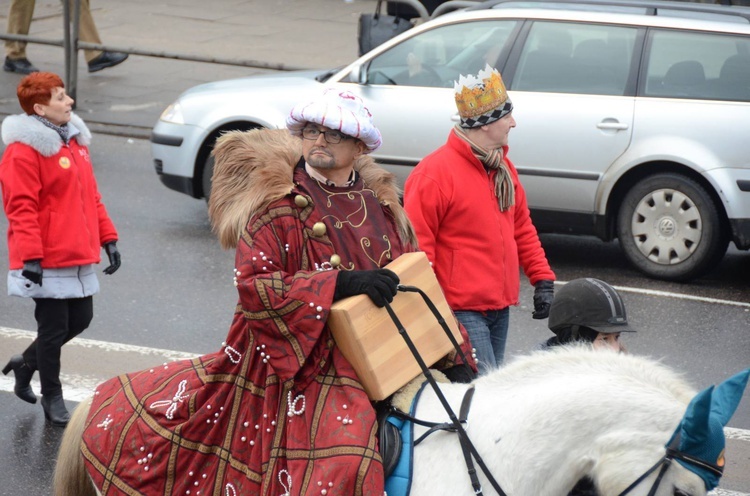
[277,410]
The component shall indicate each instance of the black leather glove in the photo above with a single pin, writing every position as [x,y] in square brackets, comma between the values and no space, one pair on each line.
[32,270]
[379,284]
[544,293]
[114,258]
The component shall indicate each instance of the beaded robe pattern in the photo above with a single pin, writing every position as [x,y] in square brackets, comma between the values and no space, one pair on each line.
[277,410]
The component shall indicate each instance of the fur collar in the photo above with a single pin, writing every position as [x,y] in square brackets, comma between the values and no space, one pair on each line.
[253,169]
[25,129]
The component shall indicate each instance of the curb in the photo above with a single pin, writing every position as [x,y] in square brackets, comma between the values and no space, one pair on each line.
[124,130]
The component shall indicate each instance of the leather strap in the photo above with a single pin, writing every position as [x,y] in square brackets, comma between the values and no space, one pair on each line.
[466,444]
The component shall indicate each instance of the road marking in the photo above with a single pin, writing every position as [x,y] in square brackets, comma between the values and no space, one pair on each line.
[678,296]
[103,345]
[739,434]
[77,387]
[72,390]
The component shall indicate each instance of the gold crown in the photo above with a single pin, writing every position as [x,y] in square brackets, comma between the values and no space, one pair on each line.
[477,95]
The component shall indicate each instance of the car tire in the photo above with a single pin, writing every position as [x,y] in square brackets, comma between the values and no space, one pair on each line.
[670,228]
[206,176]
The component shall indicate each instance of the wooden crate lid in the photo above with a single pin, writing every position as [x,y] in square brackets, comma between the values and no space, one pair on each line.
[369,339]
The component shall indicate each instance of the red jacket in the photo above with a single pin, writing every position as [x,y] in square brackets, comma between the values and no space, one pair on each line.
[475,248]
[50,196]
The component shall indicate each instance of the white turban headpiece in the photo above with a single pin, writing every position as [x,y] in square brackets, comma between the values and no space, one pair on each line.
[337,109]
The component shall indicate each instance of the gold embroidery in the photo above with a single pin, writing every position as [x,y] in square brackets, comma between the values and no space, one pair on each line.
[350,195]
[365,243]
[348,267]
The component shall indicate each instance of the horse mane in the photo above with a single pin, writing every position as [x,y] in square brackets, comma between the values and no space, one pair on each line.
[580,361]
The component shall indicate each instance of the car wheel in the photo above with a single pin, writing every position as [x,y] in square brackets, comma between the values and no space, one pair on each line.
[670,228]
[207,175]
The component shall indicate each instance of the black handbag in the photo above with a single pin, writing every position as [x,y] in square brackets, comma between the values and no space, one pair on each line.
[375,29]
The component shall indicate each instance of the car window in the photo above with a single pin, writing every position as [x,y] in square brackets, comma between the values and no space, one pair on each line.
[435,58]
[575,58]
[698,65]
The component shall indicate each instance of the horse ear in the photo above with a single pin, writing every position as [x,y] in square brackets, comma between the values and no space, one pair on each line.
[701,431]
[727,395]
[695,428]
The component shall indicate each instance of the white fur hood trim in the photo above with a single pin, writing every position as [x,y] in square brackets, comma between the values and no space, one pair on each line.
[25,129]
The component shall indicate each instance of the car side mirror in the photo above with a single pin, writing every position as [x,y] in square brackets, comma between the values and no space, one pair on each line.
[358,74]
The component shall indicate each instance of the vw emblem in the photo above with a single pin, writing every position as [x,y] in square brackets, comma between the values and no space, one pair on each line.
[667,227]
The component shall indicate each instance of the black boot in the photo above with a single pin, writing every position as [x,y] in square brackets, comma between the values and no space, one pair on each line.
[23,375]
[54,410]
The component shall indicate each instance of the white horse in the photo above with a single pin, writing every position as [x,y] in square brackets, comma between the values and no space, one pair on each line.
[541,424]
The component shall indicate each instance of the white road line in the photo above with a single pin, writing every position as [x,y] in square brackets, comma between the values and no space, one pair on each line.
[72,391]
[678,296]
[78,388]
[103,345]
[739,434]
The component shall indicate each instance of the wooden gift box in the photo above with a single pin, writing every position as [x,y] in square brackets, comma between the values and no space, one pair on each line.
[369,339]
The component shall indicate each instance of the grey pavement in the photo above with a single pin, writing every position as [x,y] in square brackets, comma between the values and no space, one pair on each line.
[128,99]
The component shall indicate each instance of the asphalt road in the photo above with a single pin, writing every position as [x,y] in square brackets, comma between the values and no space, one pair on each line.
[174,292]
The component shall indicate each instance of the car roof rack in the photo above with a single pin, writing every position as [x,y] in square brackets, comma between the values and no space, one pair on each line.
[648,7]
[452,5]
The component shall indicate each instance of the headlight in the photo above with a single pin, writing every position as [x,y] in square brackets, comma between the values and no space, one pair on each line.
[173,114]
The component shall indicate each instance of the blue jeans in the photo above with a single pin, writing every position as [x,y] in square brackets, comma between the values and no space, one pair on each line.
[488,332]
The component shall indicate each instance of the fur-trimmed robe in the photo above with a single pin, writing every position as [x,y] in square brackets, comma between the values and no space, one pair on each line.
[277,410]
[253,169]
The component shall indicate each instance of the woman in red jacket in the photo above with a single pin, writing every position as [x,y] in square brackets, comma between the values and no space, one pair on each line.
[57,225]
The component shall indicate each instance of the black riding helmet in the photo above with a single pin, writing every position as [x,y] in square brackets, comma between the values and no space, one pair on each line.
[585,305]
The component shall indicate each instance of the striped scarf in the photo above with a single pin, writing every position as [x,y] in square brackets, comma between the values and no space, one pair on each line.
[60,130]
[493,160]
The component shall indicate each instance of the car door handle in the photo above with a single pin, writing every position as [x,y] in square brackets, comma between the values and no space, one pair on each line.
[612,124]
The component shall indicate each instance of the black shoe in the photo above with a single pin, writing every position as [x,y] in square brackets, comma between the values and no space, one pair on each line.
[54,410]
[107,59]
[21,66]
[23,375]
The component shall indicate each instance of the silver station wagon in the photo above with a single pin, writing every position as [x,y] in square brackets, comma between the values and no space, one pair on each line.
[633,117]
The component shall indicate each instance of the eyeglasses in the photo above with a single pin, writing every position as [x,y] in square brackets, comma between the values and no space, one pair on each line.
[332,137]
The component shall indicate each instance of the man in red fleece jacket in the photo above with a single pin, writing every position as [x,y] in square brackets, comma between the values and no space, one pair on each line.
[469,211]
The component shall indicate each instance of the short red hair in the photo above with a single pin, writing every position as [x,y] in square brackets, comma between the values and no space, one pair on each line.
[37,88]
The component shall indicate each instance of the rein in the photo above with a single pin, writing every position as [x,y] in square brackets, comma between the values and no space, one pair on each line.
[437,426]
[455,425]
[665,461]
[449,427]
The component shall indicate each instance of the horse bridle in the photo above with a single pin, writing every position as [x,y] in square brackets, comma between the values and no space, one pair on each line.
[467,447]
[666,460]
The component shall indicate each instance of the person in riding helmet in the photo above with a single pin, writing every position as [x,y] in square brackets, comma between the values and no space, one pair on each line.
[588,310]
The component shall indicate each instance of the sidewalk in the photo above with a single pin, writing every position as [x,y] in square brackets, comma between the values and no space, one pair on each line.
[128,99]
